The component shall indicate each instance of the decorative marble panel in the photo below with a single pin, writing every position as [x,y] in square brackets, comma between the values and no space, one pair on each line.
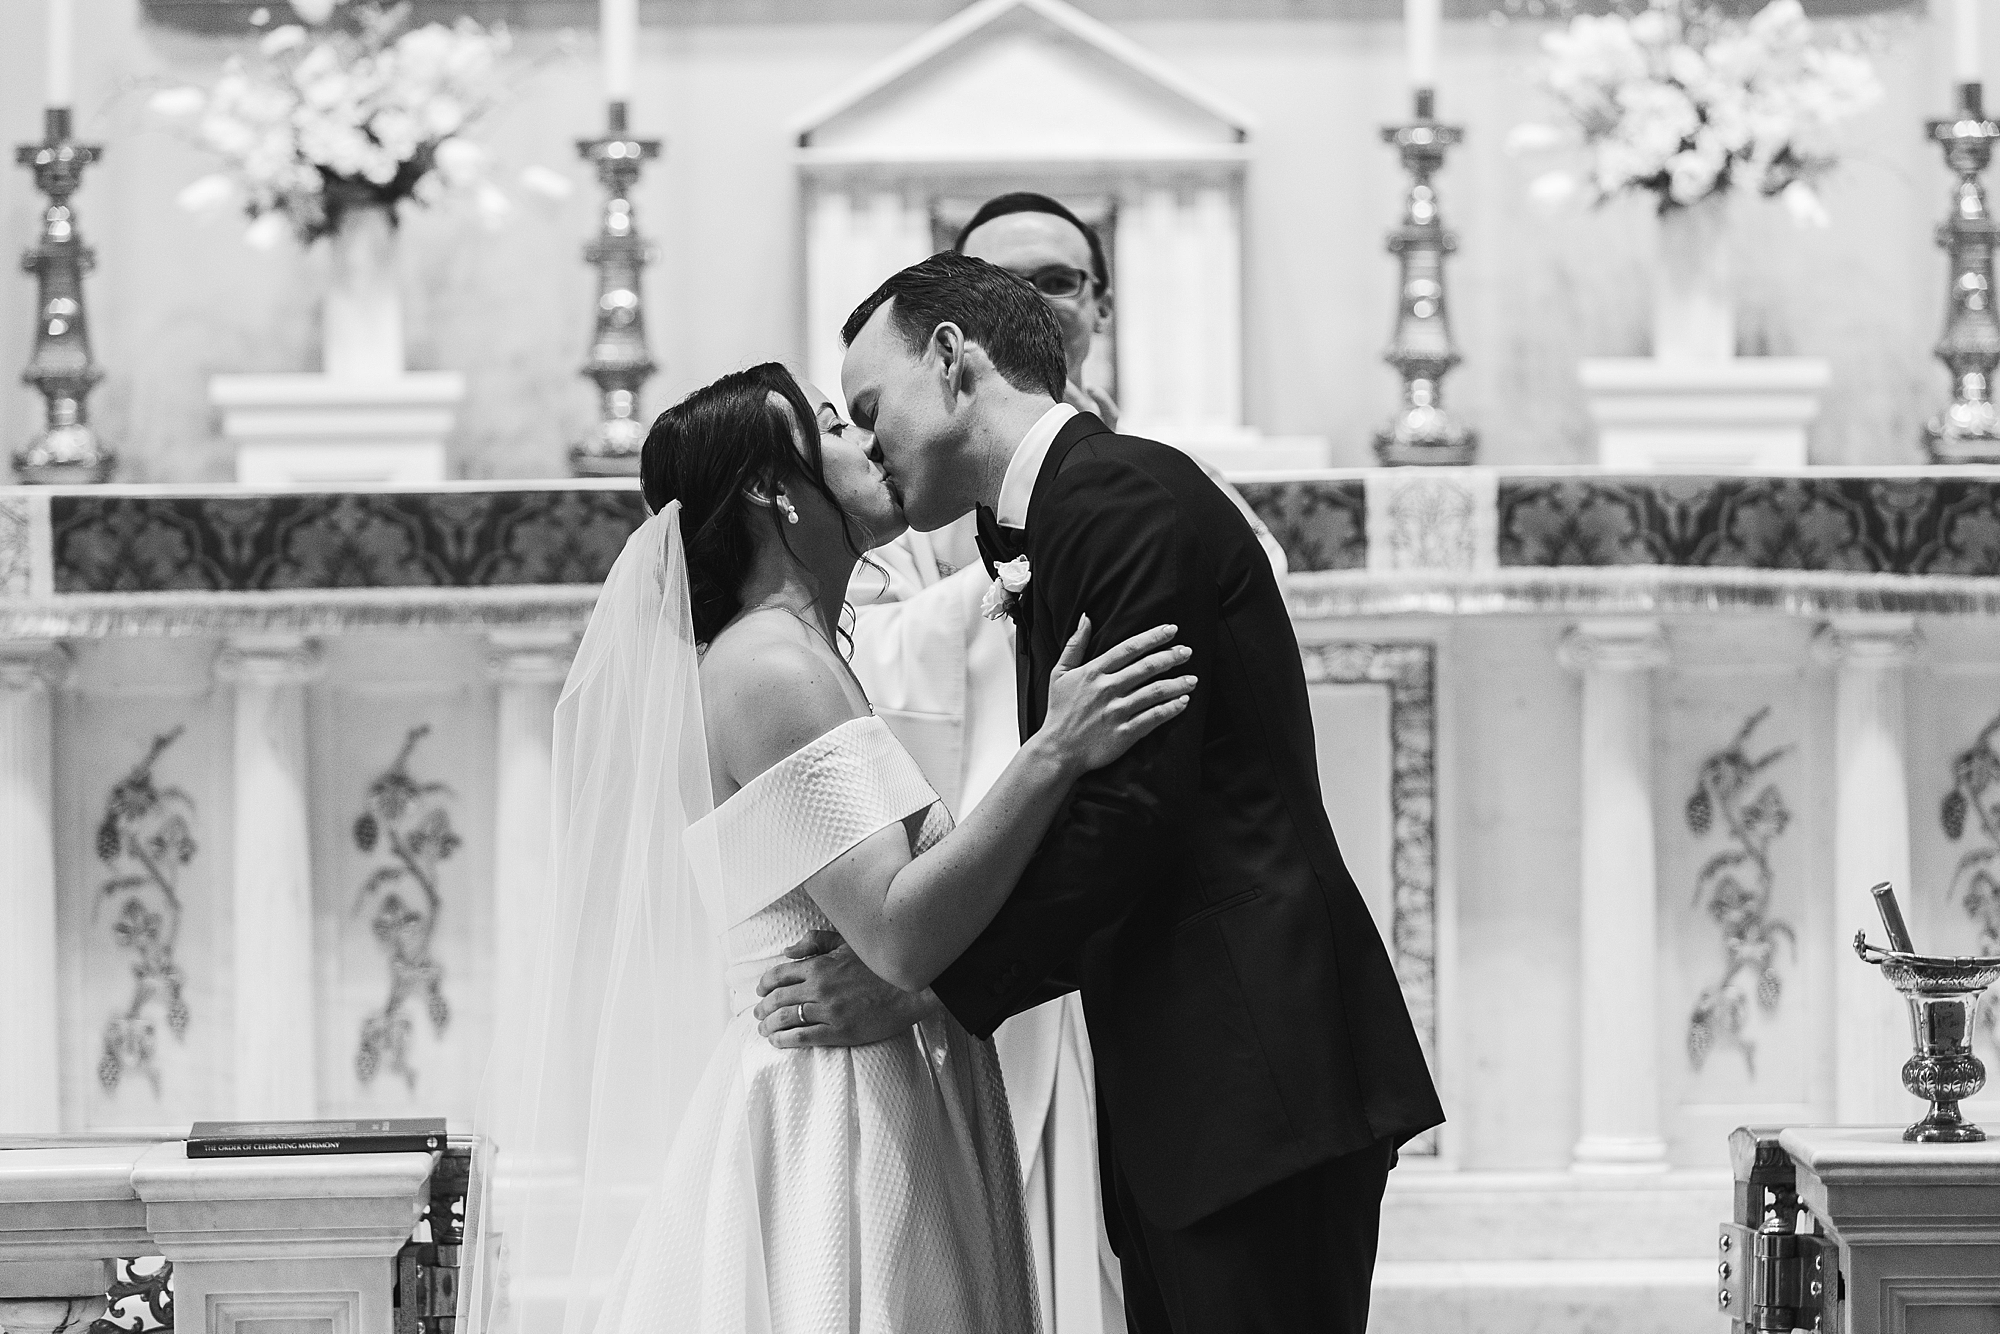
[1736,810]
[1743,811]
[1436,520]
[16,553]
[405,824]
[1439,519]
[461,539]
[147,840]
[402,870]
[1431,519]
[1898,525]
[143,870]
[1964,893]
[1409,670]
[1322,524]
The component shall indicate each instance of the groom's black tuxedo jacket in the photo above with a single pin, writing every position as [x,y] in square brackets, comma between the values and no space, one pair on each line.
[1245,1018]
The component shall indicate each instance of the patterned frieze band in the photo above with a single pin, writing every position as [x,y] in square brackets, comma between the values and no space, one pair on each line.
[1468,521]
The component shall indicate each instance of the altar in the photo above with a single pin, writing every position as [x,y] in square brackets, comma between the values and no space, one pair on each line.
[1613,757]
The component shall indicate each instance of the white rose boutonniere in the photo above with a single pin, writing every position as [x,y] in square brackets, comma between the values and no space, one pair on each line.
[1010,578]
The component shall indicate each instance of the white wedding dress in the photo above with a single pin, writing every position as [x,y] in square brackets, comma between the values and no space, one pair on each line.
[824,1190]
[648,1162]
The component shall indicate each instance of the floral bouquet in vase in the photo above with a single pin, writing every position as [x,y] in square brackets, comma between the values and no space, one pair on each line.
[1682,101]
[330,126]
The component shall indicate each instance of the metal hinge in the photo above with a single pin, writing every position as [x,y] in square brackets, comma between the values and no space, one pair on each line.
[1777,1281]
[426,1295]
[426,1291]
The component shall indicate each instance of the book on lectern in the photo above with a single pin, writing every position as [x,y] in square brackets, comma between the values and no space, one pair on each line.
[247,1139]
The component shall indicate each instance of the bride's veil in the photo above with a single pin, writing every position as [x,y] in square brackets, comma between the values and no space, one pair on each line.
[601,1047]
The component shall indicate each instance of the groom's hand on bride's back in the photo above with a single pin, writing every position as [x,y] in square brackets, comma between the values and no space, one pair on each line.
[845,1005]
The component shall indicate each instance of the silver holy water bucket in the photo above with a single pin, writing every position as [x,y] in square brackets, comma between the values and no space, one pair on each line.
[1943,995]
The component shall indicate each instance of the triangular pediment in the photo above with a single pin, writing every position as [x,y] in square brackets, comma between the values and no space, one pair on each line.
[1021,78]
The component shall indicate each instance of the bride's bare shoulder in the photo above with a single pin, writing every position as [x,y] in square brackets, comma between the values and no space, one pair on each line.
[766,692]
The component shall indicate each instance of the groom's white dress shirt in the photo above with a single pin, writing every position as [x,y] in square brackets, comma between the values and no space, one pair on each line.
[1017,488]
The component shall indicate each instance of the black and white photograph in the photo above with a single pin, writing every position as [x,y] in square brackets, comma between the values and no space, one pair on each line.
[999,667]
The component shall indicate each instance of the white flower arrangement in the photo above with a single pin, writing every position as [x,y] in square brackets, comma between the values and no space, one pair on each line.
[1680,100]
[353,106]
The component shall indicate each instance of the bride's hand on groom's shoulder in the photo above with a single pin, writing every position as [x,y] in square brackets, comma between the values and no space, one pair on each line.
[1100,708]
[844,1005]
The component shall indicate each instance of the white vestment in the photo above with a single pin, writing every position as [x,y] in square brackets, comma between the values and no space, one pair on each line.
[942,677]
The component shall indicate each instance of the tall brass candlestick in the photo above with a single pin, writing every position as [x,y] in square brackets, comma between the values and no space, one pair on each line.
[1421,349]
[619,361]
[1969,430]
[61,369]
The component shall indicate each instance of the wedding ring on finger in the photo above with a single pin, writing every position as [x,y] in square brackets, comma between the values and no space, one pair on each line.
[799,1020]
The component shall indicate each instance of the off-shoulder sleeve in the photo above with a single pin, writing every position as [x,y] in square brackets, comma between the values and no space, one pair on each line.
[797,816]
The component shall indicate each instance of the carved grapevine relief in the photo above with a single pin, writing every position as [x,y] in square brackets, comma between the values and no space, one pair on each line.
[408,823]
[147,840]
[1735,886]
[1975,882]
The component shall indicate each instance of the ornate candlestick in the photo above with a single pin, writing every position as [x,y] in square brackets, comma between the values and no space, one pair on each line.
[68,450]
[1969,430]
[1421,349]
[619,361]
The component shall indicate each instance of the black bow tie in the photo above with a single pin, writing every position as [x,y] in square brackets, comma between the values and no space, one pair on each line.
[998,543]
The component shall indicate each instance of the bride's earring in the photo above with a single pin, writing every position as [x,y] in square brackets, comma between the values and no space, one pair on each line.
[784,502]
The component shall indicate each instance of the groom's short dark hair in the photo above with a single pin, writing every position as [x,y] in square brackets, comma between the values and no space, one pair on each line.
[1000,311]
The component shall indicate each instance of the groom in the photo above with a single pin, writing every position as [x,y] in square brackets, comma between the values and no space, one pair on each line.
[1256,1065]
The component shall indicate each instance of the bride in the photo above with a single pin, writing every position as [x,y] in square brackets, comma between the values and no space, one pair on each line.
[722,787]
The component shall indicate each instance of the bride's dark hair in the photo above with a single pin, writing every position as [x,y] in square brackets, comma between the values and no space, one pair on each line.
[708,451]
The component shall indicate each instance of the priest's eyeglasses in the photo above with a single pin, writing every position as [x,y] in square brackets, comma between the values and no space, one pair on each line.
[1060,280]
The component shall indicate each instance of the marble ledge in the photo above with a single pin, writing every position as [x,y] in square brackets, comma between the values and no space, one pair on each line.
[561,607]
[1633,590]
[61,1204]
[168,1174]
[1879,1155]
[70,1172]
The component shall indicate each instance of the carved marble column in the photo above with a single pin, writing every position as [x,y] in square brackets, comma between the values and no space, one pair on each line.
[1619,1113]
[1870,656]
[272,939]
[529,667]
[30,1082]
